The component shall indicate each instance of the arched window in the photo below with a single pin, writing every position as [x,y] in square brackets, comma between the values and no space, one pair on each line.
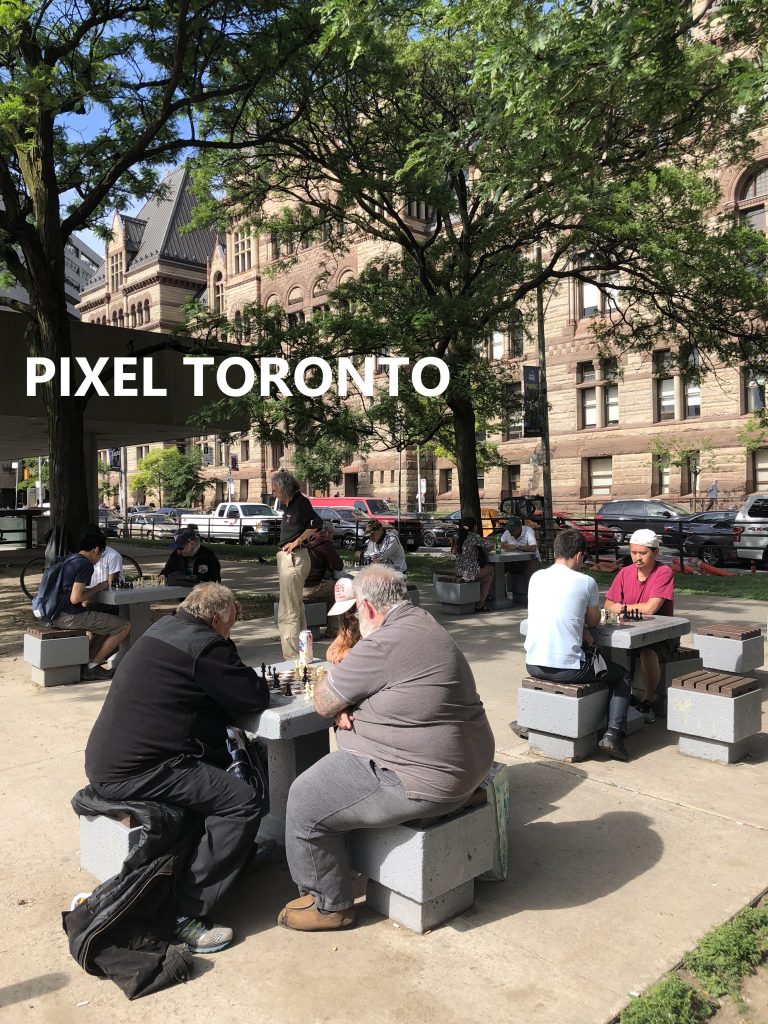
[320,287]
[133,316]
[120,321]
[272,301]
[146,311]
[752,196]
[114,319]
[140,314]
[295,295]
[218,292]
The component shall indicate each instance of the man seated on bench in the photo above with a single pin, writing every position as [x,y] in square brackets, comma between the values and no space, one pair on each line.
[413,741]
[563,604]
[648,587]
[105,632]
[161,735]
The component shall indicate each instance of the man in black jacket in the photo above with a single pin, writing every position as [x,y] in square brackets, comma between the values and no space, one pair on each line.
[161,735]
[190,561]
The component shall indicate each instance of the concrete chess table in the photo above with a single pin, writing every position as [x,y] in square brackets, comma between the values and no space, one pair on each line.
[499,561]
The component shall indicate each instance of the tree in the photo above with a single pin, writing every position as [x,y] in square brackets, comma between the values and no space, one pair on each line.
[461,138]
[95,97]
[173,477]
[684,454]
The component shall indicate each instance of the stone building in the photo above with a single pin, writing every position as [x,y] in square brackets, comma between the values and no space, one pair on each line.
[604,416]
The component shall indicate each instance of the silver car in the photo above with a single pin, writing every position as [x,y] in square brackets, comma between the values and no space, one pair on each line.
[348,526]
[750,530]
[149,525]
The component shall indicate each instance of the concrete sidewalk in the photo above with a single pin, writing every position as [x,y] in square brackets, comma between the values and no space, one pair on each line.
[616,870]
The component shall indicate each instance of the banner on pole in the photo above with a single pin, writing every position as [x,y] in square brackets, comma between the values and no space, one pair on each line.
[531,402]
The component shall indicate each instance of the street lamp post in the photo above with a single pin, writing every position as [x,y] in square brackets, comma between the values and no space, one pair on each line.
[546,462]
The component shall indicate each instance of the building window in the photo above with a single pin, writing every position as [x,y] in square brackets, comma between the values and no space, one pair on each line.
[115,271]
[146,311]
[419,210]
[274,247]
[218,292]
[585,373]
[512,422]
[142,451]
[590,299]
[692,399]
[665,398]
[242,251]
[133,316]
[114,319]
[481,479]
[140,314]
[689,474]
[391,476]
[760,467]
[751,201]
[600,472]
[513,478]
[754,396]
[120,318]
[660,477]
[277,452]
[446,480]
[245,450]
[588,398]
[498,345]
[611,404]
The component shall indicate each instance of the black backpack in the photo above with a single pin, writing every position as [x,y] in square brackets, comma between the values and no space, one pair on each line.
[48,602]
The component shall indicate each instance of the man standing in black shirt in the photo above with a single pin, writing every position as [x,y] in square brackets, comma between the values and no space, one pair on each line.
[161,735]
[300,522]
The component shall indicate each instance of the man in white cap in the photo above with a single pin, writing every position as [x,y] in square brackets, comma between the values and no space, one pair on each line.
[646,586]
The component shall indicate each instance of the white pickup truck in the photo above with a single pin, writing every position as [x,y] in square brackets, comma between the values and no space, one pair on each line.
[241,522]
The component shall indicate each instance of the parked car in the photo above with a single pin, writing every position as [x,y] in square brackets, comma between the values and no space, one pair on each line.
[711,541]
[750,530]
[670,536]
[177,513]
[624,517]
[348,526]
[409,529]
[491,520]
[149,525]
[437,532]
[109,523]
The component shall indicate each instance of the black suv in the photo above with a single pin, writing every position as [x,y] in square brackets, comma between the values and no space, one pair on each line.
[624,517]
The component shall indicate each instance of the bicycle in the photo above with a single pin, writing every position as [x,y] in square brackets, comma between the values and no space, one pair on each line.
[33,571]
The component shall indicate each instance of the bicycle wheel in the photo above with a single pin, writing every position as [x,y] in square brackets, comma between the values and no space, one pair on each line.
[31,575]
[131,568]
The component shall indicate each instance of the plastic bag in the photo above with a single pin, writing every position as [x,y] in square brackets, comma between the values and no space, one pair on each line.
[496,787]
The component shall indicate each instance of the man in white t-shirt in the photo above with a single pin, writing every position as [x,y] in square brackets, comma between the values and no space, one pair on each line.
[517,537]
[109,567]
[563,604]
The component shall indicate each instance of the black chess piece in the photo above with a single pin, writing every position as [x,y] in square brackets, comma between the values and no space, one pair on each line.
[305,676]
[263,670]
[640,616]
[288,692]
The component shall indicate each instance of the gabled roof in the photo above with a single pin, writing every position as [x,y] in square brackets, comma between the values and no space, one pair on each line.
[155,233]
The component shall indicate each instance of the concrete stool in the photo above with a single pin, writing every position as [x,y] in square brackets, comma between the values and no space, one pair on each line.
[413,595]
[562,719]
[730,648]
[105,843]
[685,661]
[421,876]
[55,655]
[715,714]
[456,597]
[315,612]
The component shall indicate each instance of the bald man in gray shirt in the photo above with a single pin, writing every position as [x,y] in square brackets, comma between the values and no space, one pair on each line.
[413,741]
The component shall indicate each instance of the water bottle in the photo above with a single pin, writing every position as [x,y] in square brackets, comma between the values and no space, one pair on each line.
[498,544]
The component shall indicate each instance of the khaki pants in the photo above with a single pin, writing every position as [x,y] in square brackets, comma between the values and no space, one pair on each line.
[292,570]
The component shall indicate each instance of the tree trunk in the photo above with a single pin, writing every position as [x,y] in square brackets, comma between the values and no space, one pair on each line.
[466,456]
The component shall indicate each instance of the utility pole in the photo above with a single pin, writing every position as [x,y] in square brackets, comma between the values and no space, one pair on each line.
[546,468]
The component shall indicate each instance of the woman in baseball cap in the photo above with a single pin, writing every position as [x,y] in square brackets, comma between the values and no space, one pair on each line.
[349,627]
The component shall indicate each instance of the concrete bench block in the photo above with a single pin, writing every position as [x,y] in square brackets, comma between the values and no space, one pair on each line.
[562,748]
[728,655]
[55,676]
[669,670]
[55,652]
[458,593]
[713,717]
[420,917]
[561,715]
[104,845]
[711,750]
[426,874]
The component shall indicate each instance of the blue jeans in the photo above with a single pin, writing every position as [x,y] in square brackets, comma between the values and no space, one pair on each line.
[338,794]
[616,678]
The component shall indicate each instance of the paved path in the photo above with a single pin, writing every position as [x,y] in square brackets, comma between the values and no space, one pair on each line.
[616,870]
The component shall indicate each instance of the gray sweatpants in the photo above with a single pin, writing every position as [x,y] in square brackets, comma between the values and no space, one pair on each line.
[339,793]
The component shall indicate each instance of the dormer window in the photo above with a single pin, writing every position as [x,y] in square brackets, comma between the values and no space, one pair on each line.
[116,271]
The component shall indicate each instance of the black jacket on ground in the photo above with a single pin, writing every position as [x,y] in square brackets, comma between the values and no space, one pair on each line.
[206,567]
[174,692]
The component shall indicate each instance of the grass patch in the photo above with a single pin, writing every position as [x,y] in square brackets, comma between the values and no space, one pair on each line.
[670,1001]
[421,568]
[743,588]
[729,953]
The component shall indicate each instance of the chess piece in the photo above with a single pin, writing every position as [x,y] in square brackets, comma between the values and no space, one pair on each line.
[305,676]
[263,670]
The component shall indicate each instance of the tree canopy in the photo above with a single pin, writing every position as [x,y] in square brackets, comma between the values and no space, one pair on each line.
[466,139]
[96,96]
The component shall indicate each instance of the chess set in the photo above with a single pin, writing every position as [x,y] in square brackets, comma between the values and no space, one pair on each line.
[623,618]
[293,682]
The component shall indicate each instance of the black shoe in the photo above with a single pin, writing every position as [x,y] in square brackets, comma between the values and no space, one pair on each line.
[519,730]
[613,745]
[647,710]
[88,675]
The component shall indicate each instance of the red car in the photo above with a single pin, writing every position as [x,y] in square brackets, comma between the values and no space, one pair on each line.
[599,538]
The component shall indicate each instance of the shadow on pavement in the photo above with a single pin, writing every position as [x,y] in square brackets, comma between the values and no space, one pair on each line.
[32,988]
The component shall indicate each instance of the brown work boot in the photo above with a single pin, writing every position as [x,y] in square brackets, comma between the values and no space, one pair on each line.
[302,915]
